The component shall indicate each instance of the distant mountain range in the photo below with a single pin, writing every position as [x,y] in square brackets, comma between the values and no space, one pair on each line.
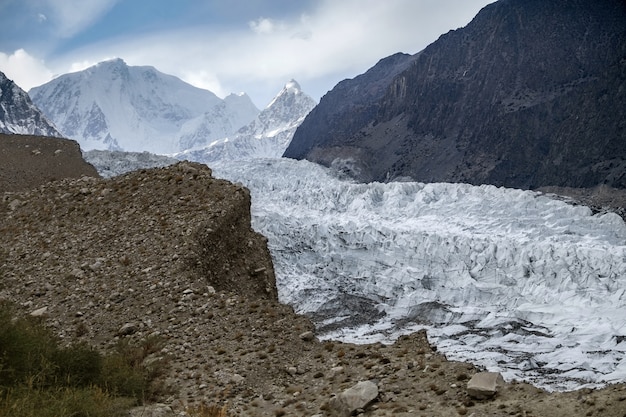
[19,115]
[530,93]
[267,136]
[137,108]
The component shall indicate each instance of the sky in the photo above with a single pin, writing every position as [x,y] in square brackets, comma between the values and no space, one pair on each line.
[225,46]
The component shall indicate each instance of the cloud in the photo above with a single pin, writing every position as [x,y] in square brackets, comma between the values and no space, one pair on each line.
[204,79]
[69,17]
[25,70]
[262,25]
[319,47]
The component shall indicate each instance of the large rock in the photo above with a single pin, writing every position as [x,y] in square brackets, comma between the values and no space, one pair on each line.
[354,398]
[484,385]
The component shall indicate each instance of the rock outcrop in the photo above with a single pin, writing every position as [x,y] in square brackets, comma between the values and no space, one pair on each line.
[19,115]
[30,161]
[530,93]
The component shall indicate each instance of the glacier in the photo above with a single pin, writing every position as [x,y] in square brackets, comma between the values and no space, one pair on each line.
[511,280]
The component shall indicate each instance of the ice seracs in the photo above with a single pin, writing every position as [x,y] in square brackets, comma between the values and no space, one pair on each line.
[525,285]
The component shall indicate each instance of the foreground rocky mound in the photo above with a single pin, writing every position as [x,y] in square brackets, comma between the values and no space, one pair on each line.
[169,253]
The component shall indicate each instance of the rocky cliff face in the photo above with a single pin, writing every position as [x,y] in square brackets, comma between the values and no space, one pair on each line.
[19,115]
[530,93]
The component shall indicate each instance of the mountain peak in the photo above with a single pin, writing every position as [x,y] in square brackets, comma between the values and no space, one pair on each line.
[293,86]
[138,108]
[113,62]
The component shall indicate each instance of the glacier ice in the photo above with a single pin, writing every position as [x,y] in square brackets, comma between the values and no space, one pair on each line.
[508,279]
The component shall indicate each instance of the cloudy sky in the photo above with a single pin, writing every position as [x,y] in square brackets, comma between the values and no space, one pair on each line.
[225,46]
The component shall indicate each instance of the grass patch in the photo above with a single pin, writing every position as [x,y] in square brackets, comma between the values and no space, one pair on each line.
[38,377]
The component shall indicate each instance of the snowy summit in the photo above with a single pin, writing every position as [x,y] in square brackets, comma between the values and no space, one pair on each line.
[267,136]
[114,106]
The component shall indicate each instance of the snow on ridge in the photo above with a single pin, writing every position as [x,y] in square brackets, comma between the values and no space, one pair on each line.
[517,282]
[267,136]
[137,108]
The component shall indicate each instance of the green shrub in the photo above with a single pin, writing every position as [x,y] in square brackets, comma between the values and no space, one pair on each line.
[62,402]
[26,350]
[40,378]
[77,366]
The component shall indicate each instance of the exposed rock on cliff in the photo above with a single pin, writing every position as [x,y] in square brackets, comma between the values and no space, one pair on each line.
[530,93]
[19,115]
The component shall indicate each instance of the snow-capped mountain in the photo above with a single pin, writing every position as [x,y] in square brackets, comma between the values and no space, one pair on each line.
[137,108]
[19,115]
[512,280]
[267,136]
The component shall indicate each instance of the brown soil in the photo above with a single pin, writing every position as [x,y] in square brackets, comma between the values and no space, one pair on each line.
[170,253]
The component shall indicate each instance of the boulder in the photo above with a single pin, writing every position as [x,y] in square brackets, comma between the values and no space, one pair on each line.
[154,410]
[354,398]
[484,385]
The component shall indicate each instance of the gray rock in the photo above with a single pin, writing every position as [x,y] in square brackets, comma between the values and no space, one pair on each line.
[154,410]
[354,398]
[39,312]
[307,336]
[484,385]
[127,329]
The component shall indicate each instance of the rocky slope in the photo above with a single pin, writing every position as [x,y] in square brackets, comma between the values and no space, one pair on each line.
[169,252]
[19,115]
[530,93]
[30,161]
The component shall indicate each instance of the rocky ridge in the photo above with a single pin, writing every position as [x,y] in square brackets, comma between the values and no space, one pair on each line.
[169,253]
[19,115]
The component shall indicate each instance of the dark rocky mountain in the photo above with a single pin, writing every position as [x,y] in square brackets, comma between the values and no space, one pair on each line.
[530,93]
[18,114]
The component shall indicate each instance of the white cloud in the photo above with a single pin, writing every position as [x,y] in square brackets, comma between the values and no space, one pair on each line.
[333,41]
[69,17]
[206,80]
[86,63]
[262,25]
[25,70]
